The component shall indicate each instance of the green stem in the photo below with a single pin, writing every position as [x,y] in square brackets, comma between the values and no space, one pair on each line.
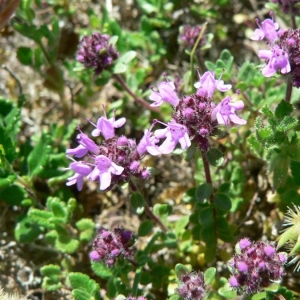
[194,50]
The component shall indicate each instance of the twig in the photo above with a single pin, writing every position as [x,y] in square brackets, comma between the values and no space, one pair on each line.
[249,211]
[155,218]
[12,74]
[133,95]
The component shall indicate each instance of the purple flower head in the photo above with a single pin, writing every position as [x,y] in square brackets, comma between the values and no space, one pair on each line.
[95,52]
[277,60]
[107,126]
[289,42]
[148,144]
[85,145]
[207,85]
[134,298]
[174,133]
[192,286]
[244,243]
[255,267]
[224,112]
[288,6]
[268,29]
[166,92]
[109,245]
[189,34]
[81,170]
[103,171]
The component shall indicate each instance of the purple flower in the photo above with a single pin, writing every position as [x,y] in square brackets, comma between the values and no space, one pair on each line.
[148,143]
[255,266]
[207,85]
[192,286]
[109,245]
[96,52]
[107,126]
[86,145]
[268,29]
[166,92]
[277,60]
[81,170]
[103,171]
[189,34]
[224,112]
[173,133]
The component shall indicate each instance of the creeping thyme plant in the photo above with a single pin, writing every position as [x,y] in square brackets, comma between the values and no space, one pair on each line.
[149,149]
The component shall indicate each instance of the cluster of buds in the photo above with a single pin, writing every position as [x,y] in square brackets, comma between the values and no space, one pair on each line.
[109,245]
[192,286]
[114,160]
[188,36]
[95,52]
[255,266]
[196,116]
[288,6]
[283,56]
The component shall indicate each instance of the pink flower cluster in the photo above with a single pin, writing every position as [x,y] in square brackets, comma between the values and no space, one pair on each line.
[195,116]
[255,266]
[284,53]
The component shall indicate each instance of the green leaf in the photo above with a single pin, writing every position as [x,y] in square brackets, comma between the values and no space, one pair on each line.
[41,217]
[127,57]
[294,150]
[295,169]
[279,165]
[25,56]
[283,109]
[214,157]
[81,295]
[181,224]
[38,156]
[287,123]
[119,68]
[13,195]
[181,270]
[227,59]
[206,216]
[25,230]
[86,228]
[145,228]
[162,210]
[51,285]
[209,275]
[224,232]
[203,192]
[83,283]
[101,270]
[51,271]
[111,287]
[189,196]
[259,296]
[137,202]
[227,291]
[222,201]
[7,181]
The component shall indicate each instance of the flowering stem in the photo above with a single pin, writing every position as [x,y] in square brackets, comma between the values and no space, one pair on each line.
[132,94]
[194,50]
[155,218]
[288,92]
[206,168]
